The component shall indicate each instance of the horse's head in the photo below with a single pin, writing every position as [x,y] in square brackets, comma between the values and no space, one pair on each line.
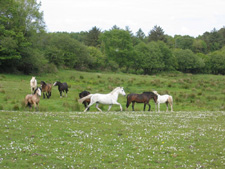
[56,83]
[121,91]
[38,91]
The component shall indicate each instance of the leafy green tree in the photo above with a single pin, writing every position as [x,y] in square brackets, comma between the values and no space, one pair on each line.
[217,61]
[97,59]
[187,61]
[184,42]
[92,37]
[156,34]
[199,46]
[20,22]
[140,34]
[117,46]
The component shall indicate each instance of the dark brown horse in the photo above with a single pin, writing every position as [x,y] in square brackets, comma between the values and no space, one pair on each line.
[141,98]
[85,102]
[47,88]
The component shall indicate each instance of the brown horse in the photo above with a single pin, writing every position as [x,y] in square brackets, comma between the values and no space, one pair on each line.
[33,99]
[85,102]
[141,98]
[47,88]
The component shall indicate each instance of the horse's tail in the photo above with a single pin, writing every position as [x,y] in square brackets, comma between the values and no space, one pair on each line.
[84,98]
[128,100]
[170,100]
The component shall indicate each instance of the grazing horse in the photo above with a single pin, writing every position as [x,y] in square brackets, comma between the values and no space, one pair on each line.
[61,87]
[141,98]
[164,99]
[33,84]
[47,88]
[110,98]
[85,102]
[33,99]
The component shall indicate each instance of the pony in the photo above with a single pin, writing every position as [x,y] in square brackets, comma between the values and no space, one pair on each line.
[61,87]
[164,99]
[47,88]
[33,84]
[33,99]
[141,98]
[110,98]
[85,102]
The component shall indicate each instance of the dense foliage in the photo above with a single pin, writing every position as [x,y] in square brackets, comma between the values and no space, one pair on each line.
[25,46]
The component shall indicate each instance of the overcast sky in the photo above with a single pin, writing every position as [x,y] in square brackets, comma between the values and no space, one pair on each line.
[182,17]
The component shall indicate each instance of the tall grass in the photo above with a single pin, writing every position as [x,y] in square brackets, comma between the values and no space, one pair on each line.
[188,90]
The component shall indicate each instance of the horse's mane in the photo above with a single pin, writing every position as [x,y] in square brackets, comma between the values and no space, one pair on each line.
[150,93]
[155,92]
[114,90]
[43,82]
[36,90]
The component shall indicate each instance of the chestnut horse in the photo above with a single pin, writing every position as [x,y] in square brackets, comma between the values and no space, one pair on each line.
[141,98]
[47,88]
[85,102]
[33,99]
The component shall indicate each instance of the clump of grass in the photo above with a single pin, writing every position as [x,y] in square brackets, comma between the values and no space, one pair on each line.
[98,76]
[1,107]
[16,107]
[81,77]
[2,91]
[72,77]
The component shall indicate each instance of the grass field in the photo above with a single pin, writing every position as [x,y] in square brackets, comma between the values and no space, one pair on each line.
[112,139]
[190,92]
[60,135]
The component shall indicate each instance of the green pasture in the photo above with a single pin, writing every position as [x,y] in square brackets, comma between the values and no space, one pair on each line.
[181,139]
[190,92]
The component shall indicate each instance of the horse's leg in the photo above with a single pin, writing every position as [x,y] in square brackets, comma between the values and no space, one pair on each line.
[98,107]
[121,109]
[158,107]
[128,103]
[109,107]
[133,105]
[149,107]
[43,95]
[166,106]
[144,106]
[60,94]
[90,104]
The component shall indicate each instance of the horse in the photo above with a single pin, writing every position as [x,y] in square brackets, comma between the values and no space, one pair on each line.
[33,84]
[164,99]
[85,102]
[33,98]
[46,87]
[141,98]
[61,87]
[110,98]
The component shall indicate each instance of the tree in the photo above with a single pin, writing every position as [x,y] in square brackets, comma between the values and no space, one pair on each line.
[117,46]
[20,22]
[156,34]
[184,42]
[187,61]
[92,37]
[217,61]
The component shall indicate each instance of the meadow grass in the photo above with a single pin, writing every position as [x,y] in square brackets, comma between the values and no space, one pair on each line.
[60,135]
[125,139]
[190,92]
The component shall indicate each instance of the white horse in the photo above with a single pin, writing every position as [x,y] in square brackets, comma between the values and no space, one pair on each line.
[110,98]
[33,84]
[164,99]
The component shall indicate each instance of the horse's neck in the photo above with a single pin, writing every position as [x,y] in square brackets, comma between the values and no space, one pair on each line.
[115,94]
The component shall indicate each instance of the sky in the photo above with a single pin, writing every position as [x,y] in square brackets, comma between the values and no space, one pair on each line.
[175,17]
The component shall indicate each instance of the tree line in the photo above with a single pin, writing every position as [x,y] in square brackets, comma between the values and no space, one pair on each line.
[25,46]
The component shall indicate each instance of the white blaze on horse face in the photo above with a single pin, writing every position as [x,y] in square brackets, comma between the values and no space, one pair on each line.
[54,84]
[39,92]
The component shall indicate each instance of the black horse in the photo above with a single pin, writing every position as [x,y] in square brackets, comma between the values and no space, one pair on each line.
[141,98]
[83,94]
[61,87]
